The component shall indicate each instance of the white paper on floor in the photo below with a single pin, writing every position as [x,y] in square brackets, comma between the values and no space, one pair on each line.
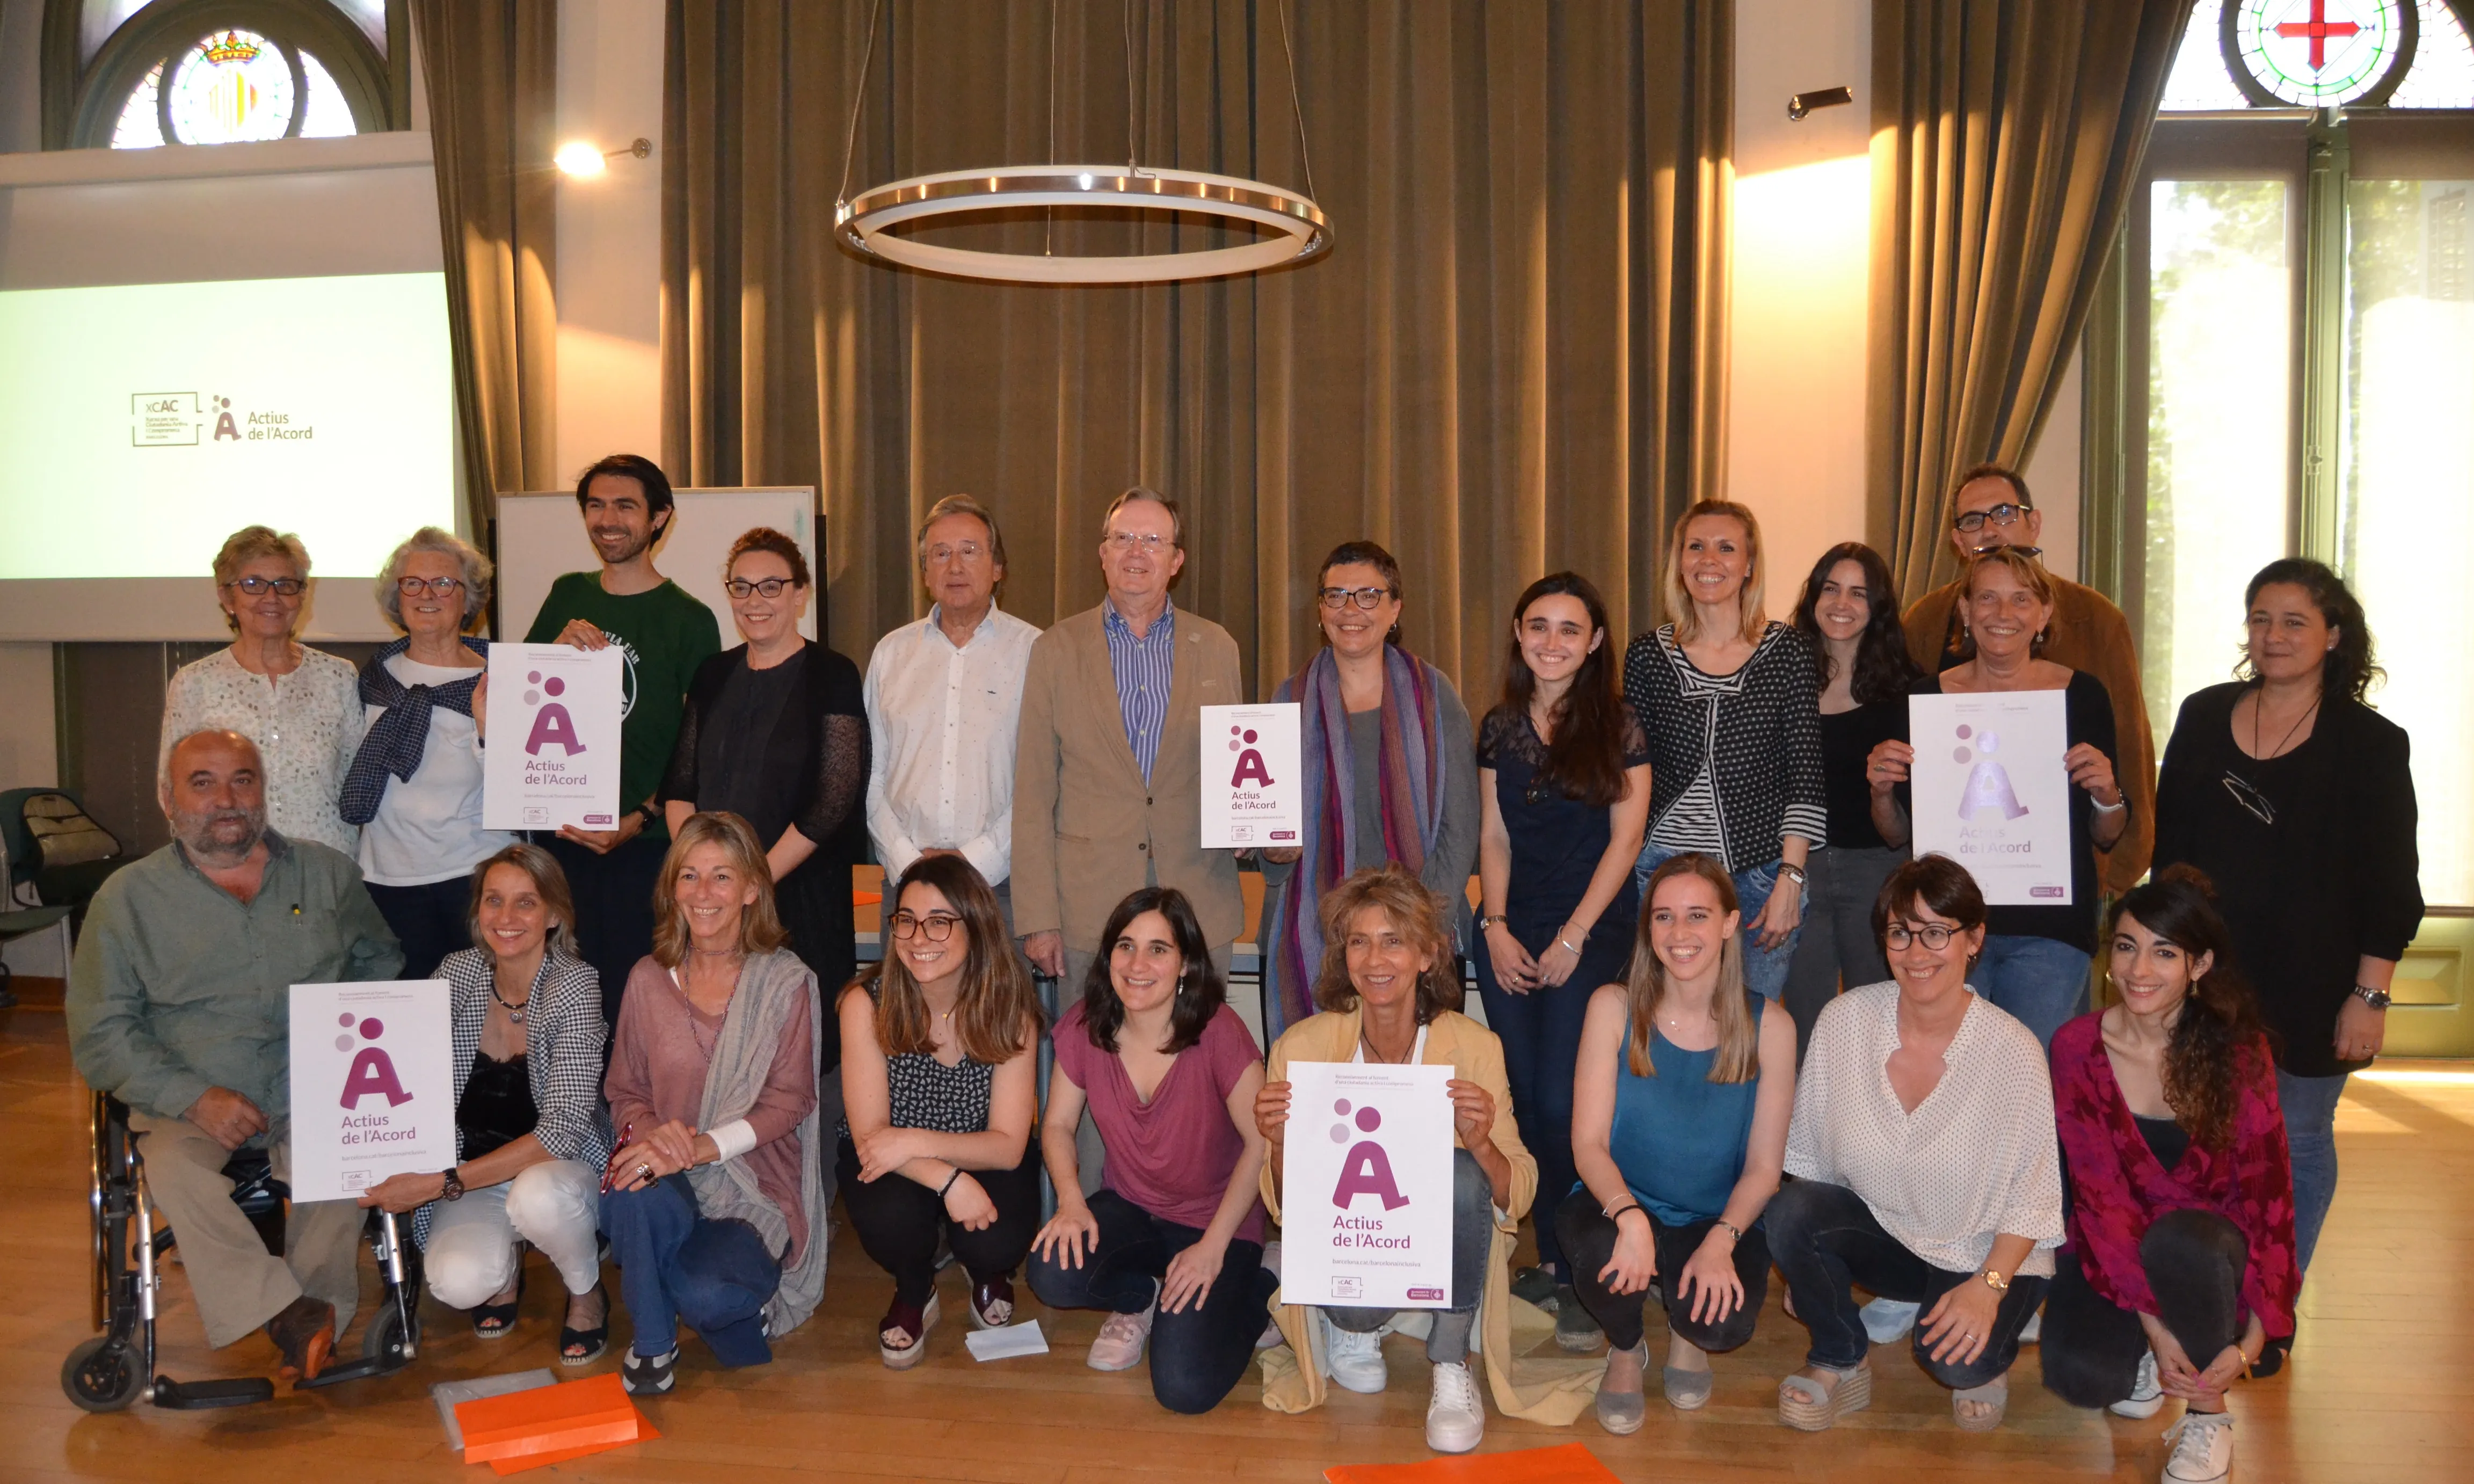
[1023,1338]
[449,1393]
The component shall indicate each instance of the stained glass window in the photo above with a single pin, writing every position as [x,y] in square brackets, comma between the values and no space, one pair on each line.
[2319,53]
[141,120]
[232,87]
[327,115]
[2443,76]
[2399,54]
[268,69]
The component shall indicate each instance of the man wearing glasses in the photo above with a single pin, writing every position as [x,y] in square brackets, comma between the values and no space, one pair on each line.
[1107,777]
[944,700]
[1994,509]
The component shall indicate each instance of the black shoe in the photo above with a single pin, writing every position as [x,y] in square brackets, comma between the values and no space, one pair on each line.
[651,1377]
[1575,1329]
[583,1347]
[2271,1358]
[1537,1285]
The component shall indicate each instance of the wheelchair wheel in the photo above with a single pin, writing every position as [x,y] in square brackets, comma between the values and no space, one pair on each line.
[102,1376]
[385,1339]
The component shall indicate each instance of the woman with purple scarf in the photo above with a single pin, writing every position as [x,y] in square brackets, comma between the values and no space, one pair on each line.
[1391,774]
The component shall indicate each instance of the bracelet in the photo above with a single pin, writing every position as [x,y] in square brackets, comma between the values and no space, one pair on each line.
[1564,944]
[2114,808]
[949,1183]
[1617,1213]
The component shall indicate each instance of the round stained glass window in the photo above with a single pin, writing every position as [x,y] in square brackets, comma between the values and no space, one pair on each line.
[2319,53]
[230,86]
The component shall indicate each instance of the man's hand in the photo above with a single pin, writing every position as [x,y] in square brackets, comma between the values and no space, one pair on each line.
[581,634]
[227,1117]
[603,841]
[1046,953]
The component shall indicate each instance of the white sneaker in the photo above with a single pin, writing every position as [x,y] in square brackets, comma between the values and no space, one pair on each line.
[1356,1360]
[1455,1419]
[1888,1320]
[2146,1399]
[2203,1447]
[2032,1333]
[1121,1340]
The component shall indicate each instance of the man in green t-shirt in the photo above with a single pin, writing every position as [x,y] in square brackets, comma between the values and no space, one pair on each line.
[665,635]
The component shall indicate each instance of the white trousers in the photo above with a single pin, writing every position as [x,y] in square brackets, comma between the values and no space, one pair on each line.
[554,1206]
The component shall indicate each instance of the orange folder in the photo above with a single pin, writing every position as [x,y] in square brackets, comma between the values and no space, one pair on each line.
[506,1466]
[588,1414]
[1572,1463]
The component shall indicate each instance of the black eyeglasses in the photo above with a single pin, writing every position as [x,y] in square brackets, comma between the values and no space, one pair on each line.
[442,587]
[2246,794]
[2004,514]
[1934,936]
[1367,599]
[936,927]
[260,587]
[770,587]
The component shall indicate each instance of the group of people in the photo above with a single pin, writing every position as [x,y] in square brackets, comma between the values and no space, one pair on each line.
[1730,1025]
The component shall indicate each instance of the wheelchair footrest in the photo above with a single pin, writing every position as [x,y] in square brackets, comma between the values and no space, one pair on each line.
[342,1371]
[198,1395]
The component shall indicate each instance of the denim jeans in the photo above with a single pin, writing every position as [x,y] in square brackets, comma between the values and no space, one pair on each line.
[1198,1355]
[1589,1238]
[430,921]
[2194,1261]
[1764,968]
[2310,1104]
[676,1263]
[1473,1248]
[2042,982]
[1825,1239]
[1834,946]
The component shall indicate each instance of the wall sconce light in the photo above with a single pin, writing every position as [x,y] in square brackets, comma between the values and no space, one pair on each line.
[1802,104]
[579,158]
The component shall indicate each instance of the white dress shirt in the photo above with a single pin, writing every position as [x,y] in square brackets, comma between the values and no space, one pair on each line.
[1977,1158]
[942,723]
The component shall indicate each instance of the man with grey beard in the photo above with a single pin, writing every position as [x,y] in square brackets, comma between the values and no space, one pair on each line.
[178,1005]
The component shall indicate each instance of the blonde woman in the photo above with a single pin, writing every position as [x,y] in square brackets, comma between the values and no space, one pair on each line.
[300,706]
[1680,1104]
[716,1201]
[939,1090]
[1734,714]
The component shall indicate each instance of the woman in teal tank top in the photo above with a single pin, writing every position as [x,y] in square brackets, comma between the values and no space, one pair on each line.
[1680,1109]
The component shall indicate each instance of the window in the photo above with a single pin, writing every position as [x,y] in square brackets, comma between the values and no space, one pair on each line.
[2292,323]
[221,71]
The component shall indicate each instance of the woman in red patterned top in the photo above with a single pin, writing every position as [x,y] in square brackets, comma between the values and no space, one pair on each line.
[2180,1266]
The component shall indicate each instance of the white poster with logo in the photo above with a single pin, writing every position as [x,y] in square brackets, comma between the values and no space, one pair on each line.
[551,757]
[1250,796]
[1366,1187]
[1989,791]
[373,1085]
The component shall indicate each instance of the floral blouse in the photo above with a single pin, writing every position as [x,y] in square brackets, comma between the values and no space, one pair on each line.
[306,724]
[2117,1188]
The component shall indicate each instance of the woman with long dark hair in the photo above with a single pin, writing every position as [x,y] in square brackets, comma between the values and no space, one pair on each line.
[1564,783]
[1172,1243]
[2181,1262]
[1387,768]
[2296,800]
[939,1095]
[1849,614]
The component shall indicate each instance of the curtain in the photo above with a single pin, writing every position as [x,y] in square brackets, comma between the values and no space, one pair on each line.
[2008,134]
[1508,363]
[491,70]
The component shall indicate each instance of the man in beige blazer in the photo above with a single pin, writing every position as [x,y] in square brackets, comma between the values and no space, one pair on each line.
[1108,774]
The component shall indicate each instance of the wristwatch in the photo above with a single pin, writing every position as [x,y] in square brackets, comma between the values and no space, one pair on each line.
[452,1185]
[2376,999]
[652,813]
[1484,923]
[1994,1281]
[1791,871]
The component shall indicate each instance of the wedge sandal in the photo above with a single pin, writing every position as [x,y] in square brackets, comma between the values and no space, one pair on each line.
[1994,1394]
[1808,1406]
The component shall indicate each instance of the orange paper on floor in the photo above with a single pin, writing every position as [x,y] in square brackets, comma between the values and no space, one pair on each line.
[1572,1463]
[506,1466]
[587,1414]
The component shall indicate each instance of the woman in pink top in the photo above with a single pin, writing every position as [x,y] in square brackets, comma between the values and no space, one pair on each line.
[1172,1243]
[714,1193]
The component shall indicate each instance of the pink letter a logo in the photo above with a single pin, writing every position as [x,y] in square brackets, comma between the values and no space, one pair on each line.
[553,725]
[1367,1171]
[372,1075]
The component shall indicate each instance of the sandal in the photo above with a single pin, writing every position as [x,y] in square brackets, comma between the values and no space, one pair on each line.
[992,1304]
[305,1332]
[1689,1391]
[1994,1394]
[1806,1405]
[1620,1412]
[498,1321]
[583,1347]
[911,1323]
[650,1376]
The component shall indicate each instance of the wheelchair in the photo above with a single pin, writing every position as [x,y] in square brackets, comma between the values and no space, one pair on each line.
[117,1367]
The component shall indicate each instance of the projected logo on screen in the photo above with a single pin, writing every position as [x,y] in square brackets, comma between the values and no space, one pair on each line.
[177,420]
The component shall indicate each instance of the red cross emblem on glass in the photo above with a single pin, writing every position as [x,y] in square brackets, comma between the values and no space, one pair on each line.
[2317,30]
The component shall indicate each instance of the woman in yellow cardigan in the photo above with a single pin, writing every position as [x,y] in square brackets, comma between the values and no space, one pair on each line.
[1387,994]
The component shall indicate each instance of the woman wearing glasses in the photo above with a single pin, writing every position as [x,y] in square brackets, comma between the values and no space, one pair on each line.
[414,788]
[1563,786]
[1390,769]
[2296,800]
[300,705]
[775,731]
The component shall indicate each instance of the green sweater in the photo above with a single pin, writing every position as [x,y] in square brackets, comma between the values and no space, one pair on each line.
[179,987]
[665,634]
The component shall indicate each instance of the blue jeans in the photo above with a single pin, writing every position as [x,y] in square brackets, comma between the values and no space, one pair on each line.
[2043,983]
[1198,1355]
[676,1263]
[2310,1104]
[1764,968]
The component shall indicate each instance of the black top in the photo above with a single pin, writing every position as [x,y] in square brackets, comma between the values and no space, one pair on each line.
[1755,734]
[731,747]
[1557,840]
[1846,738]
[497,1107]
[2087,716]
[2166,1138]
[2331,881]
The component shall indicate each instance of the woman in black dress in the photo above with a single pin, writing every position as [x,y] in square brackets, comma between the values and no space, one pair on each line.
[775,732]
[2297,800]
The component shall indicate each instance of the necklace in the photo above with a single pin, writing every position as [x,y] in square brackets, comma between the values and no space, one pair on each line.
[1376,1057]
[515,1012]
[2259,713]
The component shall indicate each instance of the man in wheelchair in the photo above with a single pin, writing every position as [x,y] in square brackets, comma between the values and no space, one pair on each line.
[178,1005]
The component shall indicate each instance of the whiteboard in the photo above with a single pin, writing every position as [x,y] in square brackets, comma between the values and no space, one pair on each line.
[541,536]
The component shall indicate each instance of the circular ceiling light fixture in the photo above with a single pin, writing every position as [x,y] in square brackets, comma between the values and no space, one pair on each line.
[1298,231]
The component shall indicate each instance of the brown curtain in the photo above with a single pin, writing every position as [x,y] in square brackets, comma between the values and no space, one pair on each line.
[1506,364]
[2008,134]
[493,88]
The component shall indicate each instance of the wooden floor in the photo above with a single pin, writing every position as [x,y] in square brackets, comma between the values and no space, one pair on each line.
[2381,1386]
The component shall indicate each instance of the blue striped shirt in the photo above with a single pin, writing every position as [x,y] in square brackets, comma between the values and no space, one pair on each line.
[1144,667]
